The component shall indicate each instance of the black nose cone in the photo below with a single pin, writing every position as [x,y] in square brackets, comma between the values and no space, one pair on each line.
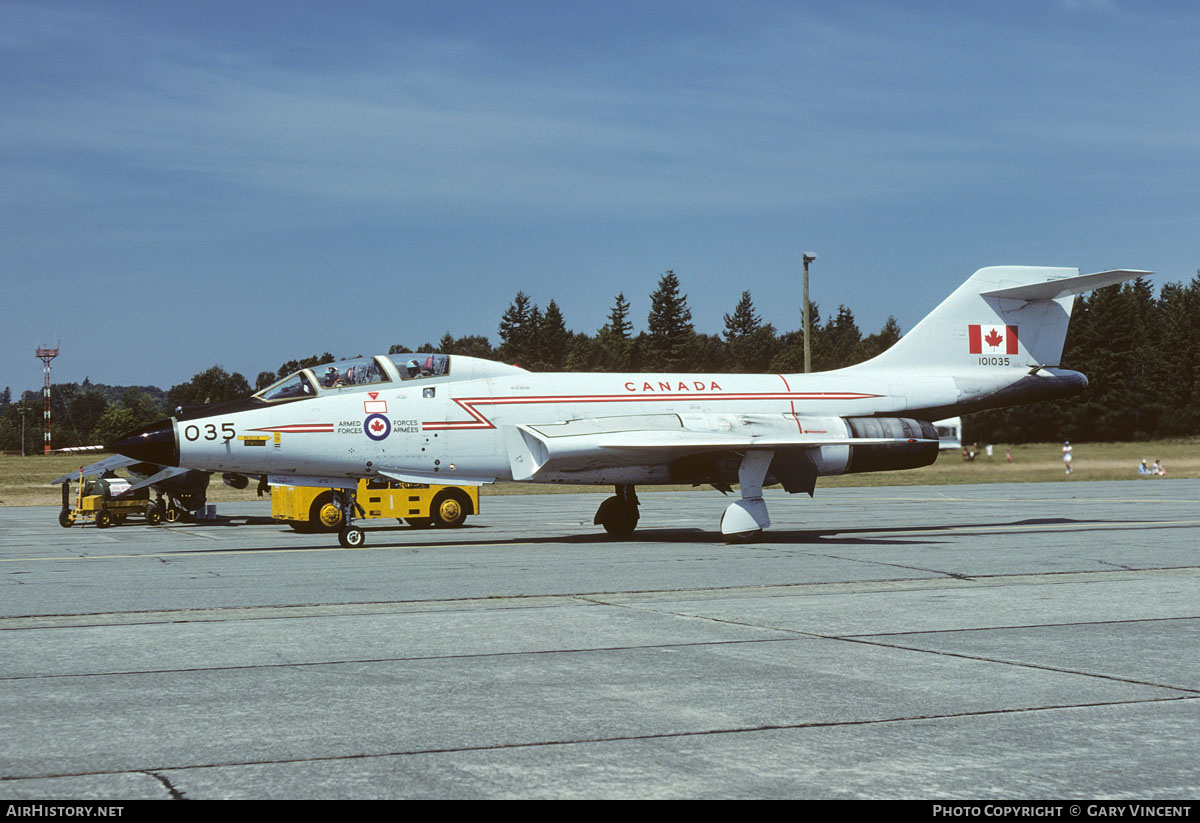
[152,443]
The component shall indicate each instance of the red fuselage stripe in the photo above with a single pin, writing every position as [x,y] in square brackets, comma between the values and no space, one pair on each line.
[479,421]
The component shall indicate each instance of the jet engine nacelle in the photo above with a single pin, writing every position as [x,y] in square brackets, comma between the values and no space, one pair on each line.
[909,444]
[920,450]
[834,450]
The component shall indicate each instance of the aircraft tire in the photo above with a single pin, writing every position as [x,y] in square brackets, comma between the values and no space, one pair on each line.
[153,515]
[173,514]
[618,517]
[352,537]
[450,509]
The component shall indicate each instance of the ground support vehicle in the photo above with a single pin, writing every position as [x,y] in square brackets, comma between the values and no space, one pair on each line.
[108,501]
[310,509]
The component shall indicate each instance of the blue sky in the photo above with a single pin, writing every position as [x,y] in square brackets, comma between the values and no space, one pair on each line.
[190,183]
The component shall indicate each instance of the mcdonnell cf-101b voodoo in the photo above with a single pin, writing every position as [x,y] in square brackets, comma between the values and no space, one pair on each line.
[457,420]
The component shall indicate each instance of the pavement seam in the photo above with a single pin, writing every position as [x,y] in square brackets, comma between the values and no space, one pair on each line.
[612,739]
[864,640]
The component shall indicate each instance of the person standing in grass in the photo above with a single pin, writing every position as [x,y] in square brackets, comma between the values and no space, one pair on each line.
[1066,451]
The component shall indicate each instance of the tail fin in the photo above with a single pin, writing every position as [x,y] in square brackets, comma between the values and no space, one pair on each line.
[1014,312]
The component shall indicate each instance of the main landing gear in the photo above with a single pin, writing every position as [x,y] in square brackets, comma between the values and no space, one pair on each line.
[745,519]
[742,522]
[619,513]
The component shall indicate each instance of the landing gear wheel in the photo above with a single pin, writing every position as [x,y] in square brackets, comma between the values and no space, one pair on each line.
[153,515]
[173,514]
[352,537]
[619,513]
[450,509]
[104,519]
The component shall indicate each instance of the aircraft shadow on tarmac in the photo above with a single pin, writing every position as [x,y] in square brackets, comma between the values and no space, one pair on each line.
[402,537]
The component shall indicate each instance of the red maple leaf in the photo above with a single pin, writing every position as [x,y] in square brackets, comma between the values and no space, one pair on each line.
[993,339]
[377,426]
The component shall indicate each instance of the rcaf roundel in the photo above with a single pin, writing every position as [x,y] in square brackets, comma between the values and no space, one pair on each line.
[991,339]
[377,426]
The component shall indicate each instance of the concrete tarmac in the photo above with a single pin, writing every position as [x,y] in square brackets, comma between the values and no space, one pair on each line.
[1036,641]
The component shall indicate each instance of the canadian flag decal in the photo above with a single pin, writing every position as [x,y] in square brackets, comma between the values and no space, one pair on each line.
[991,338]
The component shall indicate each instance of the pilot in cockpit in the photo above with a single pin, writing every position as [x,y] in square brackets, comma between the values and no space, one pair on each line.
[412,369]
[331,376]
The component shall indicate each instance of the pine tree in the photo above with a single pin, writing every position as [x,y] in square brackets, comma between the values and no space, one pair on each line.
[876,344]
[669,328]
[837,345]
[517,327]
[552,339]
[614,343]
[750,345]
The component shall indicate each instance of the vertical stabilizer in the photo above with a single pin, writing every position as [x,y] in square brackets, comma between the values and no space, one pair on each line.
[1003,315]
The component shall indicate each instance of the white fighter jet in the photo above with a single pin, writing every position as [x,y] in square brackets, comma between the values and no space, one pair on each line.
[456,420]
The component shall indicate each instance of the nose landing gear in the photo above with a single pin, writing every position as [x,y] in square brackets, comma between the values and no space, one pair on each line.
[349,536]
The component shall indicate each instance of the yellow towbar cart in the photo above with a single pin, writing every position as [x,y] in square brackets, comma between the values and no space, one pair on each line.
[108,501]
[310,509]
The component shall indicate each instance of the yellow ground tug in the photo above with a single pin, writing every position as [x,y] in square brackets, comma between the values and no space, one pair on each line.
[310,509]
[108,501]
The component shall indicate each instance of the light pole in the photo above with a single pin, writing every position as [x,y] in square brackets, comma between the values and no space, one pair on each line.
[808,258]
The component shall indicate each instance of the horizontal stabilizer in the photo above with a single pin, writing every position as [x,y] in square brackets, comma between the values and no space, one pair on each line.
[1052,289]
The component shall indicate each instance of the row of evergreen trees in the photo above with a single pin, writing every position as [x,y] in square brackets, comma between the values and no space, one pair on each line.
[538,339]
[1140,353]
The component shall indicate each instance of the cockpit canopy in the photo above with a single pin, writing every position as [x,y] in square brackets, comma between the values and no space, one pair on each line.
[421,365]
[356,372]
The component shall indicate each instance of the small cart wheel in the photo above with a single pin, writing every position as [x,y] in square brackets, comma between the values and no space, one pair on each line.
[153,515]
[450,509]
[66,519]
[104,519]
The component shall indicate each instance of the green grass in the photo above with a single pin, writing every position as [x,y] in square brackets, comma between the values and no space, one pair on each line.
[25,481]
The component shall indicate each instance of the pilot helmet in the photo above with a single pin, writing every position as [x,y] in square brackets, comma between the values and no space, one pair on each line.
[413,368]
